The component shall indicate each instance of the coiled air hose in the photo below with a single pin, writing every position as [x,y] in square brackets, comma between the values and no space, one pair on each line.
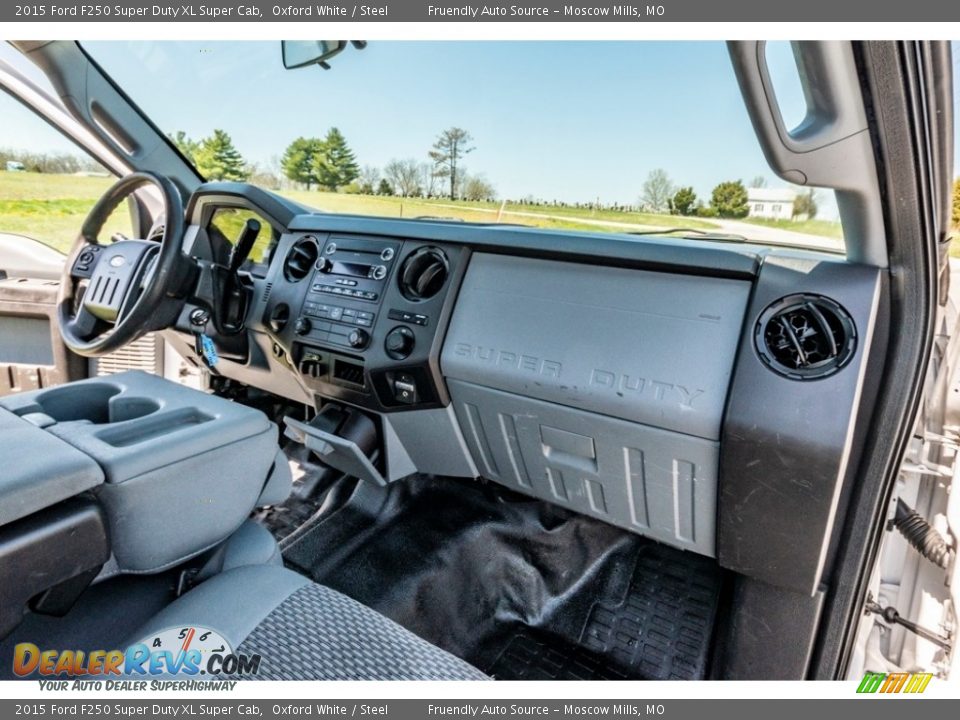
[921,535]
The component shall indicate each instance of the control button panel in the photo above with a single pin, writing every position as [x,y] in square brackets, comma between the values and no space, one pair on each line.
[338,313]
[329,333]
[404,316]
[349,292]
[83,266]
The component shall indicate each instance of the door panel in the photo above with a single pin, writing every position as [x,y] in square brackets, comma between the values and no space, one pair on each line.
[32,354]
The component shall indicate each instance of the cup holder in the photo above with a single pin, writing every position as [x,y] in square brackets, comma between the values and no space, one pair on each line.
[95,402]
[131,408]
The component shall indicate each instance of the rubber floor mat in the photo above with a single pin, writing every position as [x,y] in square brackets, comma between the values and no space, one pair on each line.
[519,588]
[660,630]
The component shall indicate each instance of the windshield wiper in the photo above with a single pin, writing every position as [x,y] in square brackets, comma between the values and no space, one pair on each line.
[694,233]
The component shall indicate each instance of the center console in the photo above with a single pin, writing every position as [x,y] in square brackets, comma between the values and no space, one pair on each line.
[130,467]
[359,316]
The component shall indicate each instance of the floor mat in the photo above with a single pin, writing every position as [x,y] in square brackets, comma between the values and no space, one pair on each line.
[660,630]
[517,587]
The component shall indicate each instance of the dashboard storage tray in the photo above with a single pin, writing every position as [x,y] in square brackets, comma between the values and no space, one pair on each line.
[338,452]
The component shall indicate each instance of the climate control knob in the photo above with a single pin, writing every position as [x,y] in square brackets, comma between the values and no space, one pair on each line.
[399,343]
[324,265]
[358,338]
[302,326]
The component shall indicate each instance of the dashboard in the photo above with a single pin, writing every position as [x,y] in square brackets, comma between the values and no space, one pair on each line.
[700,393]
[360,317]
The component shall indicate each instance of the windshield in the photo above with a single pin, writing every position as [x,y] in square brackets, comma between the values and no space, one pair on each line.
[624,137]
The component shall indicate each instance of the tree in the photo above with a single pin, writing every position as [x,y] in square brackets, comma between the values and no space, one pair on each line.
[729,200]
[476,188]
[955,214]
[758,182]
[805,204]
[56,163]
[369,177]
[404,176]
[298,160]
[217,158]
[187,147]
[449,148]
[263,176]
[428,180]
[657,191]
[684,202]
[384,188]
[335,164]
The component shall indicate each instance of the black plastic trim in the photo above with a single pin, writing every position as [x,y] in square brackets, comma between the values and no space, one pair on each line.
[901,97]
[48,549]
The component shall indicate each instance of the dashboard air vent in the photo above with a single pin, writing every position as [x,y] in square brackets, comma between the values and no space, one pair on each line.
[300,259]
[805,337]
[423,273]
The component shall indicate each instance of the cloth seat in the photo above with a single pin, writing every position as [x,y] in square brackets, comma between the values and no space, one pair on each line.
[306,631]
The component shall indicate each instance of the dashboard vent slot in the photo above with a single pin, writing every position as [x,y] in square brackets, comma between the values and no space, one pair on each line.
[268,288]
[805,337]
[300,259]
[423,273]
[348,372]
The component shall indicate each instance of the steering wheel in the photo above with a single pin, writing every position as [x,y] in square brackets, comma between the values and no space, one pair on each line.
[112,294]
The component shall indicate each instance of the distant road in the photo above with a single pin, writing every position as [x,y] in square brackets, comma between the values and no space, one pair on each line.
[758,233]
[777,236]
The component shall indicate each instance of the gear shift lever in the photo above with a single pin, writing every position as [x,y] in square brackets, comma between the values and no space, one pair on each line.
[234,305]
[241,250]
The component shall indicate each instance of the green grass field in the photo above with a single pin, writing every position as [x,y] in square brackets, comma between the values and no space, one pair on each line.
[545,216]
[51,208]
[820,228]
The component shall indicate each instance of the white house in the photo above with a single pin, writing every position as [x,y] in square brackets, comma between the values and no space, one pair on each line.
[776,204]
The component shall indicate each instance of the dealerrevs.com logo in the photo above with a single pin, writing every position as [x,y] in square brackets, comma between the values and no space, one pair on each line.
[190,652]
[888,683]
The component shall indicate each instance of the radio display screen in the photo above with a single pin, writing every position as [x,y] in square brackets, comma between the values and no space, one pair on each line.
[350,269]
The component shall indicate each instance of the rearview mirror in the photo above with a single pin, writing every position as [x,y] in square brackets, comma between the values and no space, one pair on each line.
[300,53]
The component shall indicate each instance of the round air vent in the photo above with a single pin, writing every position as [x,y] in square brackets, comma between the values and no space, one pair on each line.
[300,259]
[423,273]
[805,337]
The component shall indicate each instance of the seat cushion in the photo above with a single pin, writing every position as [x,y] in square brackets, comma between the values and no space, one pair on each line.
[305,631]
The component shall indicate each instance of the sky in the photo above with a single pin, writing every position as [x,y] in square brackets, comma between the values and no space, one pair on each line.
[553,120]
[569,121]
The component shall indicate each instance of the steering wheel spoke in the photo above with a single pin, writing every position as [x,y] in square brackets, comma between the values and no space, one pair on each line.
[86,326]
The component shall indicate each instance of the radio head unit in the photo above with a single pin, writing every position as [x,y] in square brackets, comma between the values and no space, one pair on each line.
[347,285]
[354,268]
